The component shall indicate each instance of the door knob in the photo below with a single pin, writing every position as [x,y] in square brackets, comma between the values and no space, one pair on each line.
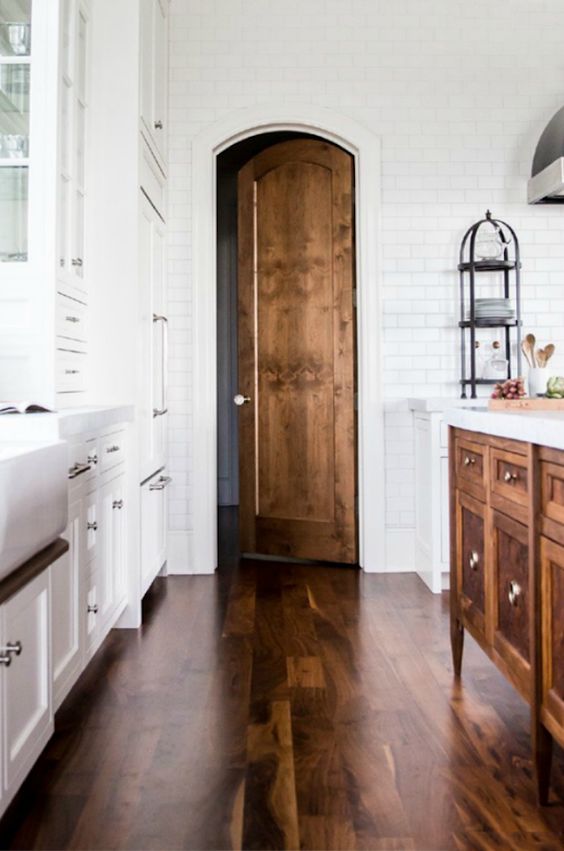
[239,399]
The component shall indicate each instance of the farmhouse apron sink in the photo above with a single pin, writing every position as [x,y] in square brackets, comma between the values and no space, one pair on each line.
[33,499]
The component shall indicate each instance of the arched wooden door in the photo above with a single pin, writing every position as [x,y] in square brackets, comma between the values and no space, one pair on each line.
[297,424]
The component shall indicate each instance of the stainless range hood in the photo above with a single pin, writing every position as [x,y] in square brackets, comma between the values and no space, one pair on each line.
[546,185]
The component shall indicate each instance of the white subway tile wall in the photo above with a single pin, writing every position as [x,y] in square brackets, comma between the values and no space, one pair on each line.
[458,92]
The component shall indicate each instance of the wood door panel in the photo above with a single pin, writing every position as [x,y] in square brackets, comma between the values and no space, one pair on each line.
[552,605]
[296,352]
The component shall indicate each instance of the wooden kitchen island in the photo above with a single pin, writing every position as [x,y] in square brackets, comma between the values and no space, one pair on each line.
[507,558]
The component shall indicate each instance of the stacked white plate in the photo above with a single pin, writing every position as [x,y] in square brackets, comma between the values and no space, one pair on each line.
[494,309]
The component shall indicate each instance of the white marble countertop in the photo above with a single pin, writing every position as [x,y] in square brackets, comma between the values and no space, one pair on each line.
[438,404]
[545,428]
[63,424]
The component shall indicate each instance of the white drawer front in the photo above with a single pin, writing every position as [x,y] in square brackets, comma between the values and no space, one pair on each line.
[70,371]
[111,450]
[71,320]
[82,467]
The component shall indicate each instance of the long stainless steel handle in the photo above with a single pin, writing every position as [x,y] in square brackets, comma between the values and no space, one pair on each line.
[159,412]
[161,484]
[78,469]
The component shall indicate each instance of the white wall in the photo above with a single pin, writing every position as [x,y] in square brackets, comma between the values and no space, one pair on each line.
[459,93]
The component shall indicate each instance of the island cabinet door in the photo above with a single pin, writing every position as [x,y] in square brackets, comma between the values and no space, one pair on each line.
[552,606]
[471,561]
[511,599]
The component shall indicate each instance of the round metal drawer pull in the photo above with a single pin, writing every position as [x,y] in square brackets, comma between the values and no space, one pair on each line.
[468,460]
[92,527]
[474,560]
[514,592]
[92,610]
[510,477]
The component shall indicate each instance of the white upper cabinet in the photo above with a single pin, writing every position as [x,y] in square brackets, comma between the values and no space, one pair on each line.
[153,76]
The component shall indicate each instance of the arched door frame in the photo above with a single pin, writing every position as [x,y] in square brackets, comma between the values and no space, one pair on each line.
[365,147]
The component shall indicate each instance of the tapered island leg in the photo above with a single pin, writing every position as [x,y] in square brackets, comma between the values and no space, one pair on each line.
[542,747]
[456,643]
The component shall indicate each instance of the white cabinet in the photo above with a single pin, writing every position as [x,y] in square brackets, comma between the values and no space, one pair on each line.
[153,75]
[110,567]
[154,337]
[431,500]
[25,675]
[153,528]
[65,608]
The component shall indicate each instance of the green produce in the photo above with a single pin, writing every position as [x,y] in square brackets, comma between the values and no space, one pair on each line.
[555,387]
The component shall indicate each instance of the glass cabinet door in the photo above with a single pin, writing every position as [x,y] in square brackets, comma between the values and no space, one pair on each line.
[15,57]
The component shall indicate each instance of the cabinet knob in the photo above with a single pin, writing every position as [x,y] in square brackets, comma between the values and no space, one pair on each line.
[474,560]
[239,399]
[117,503]
[92,526]
[158,125]
[514,592]
[510,477]
[468,460]
[92,610]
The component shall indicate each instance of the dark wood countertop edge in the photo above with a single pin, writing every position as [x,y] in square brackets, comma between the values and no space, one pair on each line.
[31,568]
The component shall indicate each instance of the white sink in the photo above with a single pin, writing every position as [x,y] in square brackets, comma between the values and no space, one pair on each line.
[33,499]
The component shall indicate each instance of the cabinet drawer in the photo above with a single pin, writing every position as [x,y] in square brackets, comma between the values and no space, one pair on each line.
[471,567]
[471,467]
[511,598]
[70,371]
[552,604]
[510,482]
[82,466]
[552,494]
[71,320]
[112,450]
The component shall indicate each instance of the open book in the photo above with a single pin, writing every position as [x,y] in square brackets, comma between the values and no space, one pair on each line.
[23,408]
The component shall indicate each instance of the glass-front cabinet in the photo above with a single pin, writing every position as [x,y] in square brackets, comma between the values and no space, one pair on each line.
[15,76]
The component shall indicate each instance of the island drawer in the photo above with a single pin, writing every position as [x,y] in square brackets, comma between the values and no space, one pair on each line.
[471,466]
[510,482]
[552,493]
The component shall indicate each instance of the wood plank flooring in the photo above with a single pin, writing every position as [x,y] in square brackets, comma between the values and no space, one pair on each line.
[280,706]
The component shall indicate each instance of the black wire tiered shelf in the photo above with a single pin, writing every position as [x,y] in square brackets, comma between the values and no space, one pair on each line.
[471,267]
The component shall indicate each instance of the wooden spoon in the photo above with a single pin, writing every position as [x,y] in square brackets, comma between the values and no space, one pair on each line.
[529,354]
[548,352]
[530,342]
[541,357]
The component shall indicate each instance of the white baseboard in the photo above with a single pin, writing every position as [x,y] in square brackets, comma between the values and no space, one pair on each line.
[180,555]
[400,551]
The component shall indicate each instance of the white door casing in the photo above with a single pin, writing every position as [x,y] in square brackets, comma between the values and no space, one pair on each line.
[200,554]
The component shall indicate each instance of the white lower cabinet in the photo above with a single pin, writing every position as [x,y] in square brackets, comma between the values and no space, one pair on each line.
[153,528]
[25,680]
[65,609]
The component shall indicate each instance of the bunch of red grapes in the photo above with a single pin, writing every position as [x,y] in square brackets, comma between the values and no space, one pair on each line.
[513,388]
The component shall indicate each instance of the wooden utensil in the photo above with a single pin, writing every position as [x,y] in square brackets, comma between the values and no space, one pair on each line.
[529,355]
[549,351]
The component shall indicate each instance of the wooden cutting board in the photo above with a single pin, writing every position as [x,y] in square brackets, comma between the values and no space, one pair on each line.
[526,404]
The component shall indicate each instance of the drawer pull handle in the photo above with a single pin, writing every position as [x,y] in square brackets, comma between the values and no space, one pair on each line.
[73,319]
[474,560]
[5,659]
[160,484]
[514,592]
[158,125]
[92,610]
[117,503]
[468,460]
[72,371]
[77,261]
[111,449]
[510,477]
[78,469]
[93,459]
[13,648]
[92,526]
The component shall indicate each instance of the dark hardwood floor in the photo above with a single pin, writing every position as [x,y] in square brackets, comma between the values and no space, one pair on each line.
[284,706]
